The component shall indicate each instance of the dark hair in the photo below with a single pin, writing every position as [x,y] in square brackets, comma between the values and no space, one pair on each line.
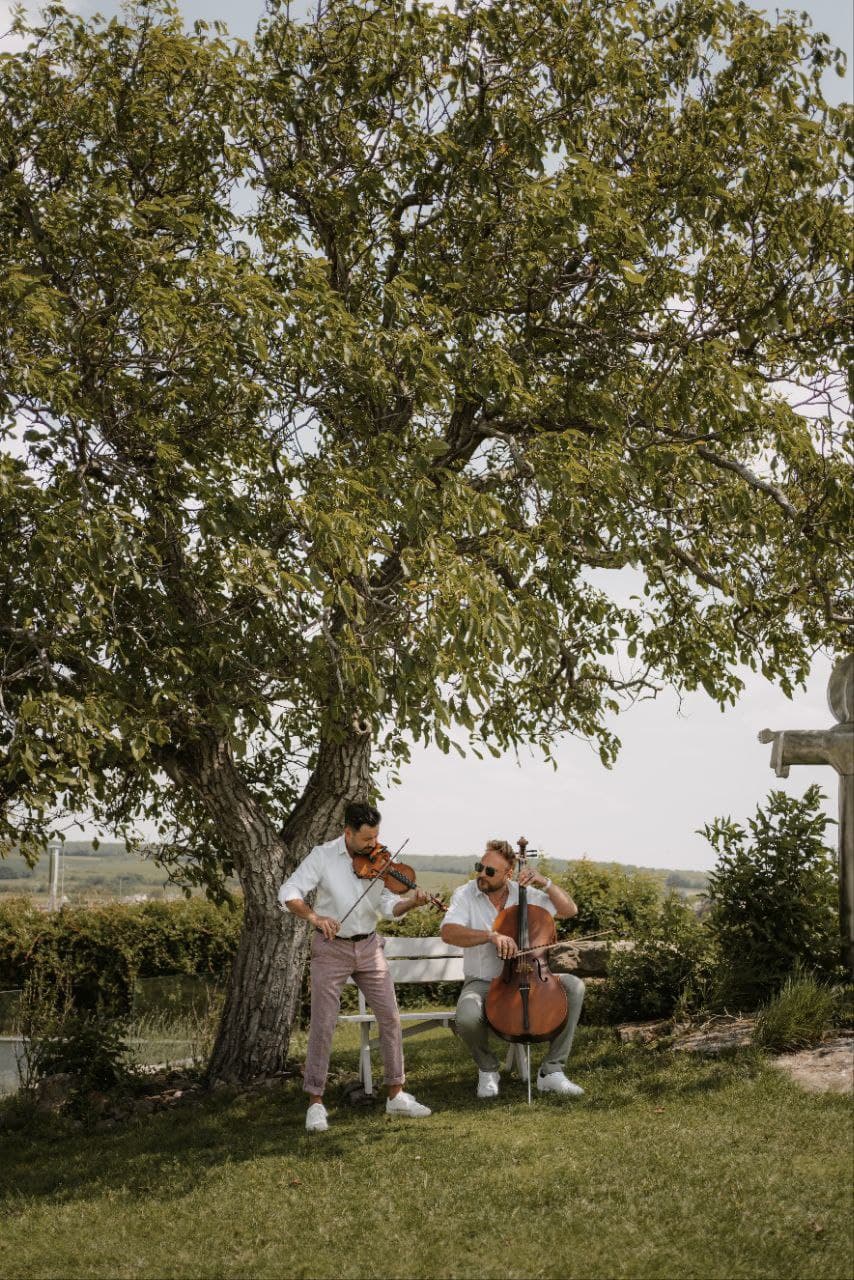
[359,813]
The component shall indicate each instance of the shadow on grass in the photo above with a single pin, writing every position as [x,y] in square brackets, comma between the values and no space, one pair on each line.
[167,1155]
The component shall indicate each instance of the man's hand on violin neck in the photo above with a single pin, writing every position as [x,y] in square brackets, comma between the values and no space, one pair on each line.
[327,925]
[416,898]
[506,947]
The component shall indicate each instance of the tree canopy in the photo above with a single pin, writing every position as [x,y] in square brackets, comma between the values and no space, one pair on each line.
[345,370]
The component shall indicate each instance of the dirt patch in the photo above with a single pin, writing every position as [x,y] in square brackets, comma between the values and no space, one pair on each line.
[717,1036]
[827,1069]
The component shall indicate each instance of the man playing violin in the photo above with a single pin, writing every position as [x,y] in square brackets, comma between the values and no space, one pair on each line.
[469,924]
[346,945]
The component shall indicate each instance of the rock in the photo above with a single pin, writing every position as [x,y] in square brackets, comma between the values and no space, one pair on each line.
[53,1092]
[586,959]
[354,1094]
[826,1069]
[644,1032]
[717,1036]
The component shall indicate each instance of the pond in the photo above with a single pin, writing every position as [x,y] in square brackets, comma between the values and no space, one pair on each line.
[171,1050]
[171,1023]
[10,1049]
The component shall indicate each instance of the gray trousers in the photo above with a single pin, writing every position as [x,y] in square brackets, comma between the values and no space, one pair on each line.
[473,1029]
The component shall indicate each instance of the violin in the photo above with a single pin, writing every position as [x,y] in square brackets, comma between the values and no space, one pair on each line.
[526,1003]
[379,863]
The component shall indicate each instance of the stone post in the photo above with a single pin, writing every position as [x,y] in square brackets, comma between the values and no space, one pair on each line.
[835,747]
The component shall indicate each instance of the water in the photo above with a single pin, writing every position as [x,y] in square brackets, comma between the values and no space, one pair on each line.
[10,1051]
[165,1028]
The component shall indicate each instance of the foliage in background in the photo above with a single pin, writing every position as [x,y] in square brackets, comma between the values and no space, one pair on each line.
[101,952]
[774,896]
[345,369]
[670,970]
[609,899]
[87,1047]
[797,1016]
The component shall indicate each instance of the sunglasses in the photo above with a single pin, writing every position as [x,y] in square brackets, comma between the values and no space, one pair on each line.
[487,871]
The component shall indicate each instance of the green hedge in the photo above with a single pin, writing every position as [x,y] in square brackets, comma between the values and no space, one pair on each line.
[103,951]
[609,899]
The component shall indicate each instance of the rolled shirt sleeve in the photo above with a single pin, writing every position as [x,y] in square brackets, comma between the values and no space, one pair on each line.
[387,903]
[304,879]
[458,909]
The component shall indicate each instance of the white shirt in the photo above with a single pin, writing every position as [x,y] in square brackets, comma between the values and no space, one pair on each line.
[329,870]
[476,910]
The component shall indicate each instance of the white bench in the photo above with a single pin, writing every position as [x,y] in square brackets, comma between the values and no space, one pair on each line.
[418,960]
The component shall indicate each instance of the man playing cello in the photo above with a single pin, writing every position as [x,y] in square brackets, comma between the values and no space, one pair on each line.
[469,923]
[344,948]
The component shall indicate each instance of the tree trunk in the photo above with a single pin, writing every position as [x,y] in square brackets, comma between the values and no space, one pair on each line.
[266,978]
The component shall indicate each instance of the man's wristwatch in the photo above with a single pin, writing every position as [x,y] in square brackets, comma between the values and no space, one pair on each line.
[545,887]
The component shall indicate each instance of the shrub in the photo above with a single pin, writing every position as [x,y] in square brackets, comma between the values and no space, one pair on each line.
[669,971]
[102,951]
[773,897]
[89,1047]
[797,1016]
[609,899]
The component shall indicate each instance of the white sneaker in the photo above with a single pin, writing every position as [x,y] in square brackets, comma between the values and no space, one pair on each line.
[487,1084]
[556,1082]
[315,1118]
[403,1104]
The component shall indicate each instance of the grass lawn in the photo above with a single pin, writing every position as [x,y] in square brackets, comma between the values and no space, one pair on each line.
[668,1167]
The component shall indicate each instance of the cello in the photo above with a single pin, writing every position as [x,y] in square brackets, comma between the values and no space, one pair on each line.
[526,1003]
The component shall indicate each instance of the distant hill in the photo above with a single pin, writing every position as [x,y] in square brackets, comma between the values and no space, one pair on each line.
[692,881]
[112,871]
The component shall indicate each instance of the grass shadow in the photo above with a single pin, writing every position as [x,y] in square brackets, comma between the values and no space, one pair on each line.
[171,1153]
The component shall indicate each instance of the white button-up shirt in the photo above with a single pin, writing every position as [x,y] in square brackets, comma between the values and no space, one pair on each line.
[476,910]
[329,870]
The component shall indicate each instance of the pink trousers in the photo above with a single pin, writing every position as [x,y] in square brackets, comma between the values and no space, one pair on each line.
[332,963]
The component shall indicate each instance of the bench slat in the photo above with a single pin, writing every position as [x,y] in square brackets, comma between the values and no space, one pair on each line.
[428,969]
[396,947]
[425,969]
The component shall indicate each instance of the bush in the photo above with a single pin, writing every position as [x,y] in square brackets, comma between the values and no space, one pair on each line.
[670,970]
[797,1016]
[609,899]
[88,1047]
[102,951]
[774,897]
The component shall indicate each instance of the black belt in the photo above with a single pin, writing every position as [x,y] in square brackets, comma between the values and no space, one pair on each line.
[357,937]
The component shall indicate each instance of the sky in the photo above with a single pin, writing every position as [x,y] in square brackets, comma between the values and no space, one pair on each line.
[682,763]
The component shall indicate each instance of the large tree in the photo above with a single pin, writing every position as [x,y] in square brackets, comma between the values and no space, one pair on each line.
[343,373]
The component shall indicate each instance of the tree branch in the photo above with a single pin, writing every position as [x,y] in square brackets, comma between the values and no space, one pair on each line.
[750,478]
